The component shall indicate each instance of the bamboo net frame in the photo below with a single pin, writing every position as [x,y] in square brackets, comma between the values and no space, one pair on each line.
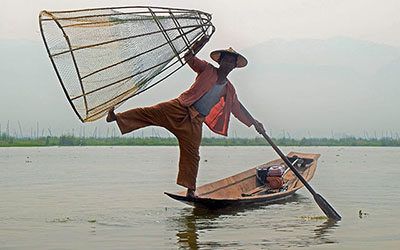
[104,56]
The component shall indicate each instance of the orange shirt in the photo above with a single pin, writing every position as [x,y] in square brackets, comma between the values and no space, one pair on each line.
[218,118]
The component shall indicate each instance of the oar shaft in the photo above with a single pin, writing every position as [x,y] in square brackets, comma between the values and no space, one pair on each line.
[322,203]
[288,163]
[279,152]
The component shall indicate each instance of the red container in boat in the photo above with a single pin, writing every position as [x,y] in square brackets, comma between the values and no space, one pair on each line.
[276,171]
[275,182]
[274,176]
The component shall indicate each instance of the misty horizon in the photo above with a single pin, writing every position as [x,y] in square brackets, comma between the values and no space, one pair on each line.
[289,69]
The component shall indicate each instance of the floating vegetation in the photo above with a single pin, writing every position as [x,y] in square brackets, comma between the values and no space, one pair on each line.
[60,220]
[361,214]
[314,217]
[67,219]
[28,160]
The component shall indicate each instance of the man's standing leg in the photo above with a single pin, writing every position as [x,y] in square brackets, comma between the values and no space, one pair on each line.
[189,144]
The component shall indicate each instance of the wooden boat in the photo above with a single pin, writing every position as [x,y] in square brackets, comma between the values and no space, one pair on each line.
[244,188]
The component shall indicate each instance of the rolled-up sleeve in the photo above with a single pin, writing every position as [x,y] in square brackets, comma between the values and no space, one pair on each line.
[196,64]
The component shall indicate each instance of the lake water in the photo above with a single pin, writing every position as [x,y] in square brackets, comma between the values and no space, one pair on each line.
[112,198]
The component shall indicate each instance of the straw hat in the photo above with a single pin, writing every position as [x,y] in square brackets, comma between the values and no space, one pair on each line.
[240,62]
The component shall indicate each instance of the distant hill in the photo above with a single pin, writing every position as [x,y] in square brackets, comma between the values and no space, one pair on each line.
[303,86]
[338,84]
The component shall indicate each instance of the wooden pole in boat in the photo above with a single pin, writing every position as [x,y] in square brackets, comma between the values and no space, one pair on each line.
[322,203]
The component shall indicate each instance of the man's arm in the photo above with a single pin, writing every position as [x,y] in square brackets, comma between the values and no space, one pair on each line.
[196,64]
[259,127]
[196,47]
[245,117]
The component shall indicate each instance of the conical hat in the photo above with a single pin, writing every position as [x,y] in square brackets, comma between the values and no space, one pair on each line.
[241,60]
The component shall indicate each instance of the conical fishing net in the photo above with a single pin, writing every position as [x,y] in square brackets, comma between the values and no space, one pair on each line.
[105,56]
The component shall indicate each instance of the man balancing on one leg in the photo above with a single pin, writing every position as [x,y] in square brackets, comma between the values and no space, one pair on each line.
[211,99]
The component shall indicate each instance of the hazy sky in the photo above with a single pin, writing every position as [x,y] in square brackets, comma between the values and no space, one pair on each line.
[241,24]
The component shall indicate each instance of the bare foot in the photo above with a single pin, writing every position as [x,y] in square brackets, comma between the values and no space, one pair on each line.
[191,193]
[111,115]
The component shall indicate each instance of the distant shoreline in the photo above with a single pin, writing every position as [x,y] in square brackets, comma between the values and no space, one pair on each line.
[50,141]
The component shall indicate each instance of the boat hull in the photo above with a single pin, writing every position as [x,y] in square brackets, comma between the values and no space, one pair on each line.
[237,190]
[210,203]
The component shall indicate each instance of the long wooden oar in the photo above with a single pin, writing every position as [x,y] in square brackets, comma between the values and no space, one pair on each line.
[322,203]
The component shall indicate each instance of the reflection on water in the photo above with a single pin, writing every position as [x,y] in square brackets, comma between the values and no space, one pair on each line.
[194,226]
[323,231]
[187,231]
[192,221]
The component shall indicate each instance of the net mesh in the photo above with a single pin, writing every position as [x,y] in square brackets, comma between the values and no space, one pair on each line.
[105,56]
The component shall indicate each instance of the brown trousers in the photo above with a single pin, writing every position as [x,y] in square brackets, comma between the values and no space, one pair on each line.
[184,122]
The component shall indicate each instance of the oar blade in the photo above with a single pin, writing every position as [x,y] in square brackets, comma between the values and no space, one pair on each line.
[327,208]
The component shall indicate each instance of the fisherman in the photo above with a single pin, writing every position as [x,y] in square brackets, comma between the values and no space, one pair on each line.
[210,100]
